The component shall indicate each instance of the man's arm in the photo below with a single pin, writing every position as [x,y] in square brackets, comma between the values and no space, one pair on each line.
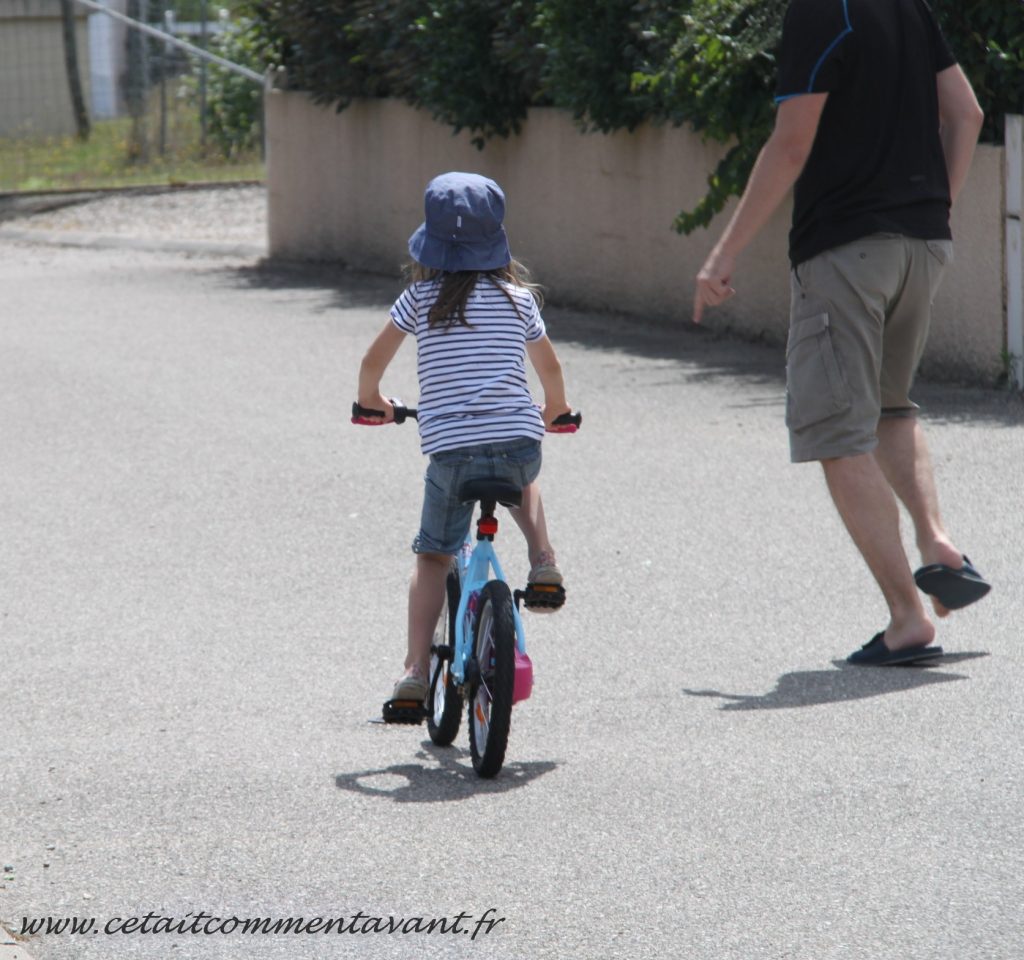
[779,164]
[960,120]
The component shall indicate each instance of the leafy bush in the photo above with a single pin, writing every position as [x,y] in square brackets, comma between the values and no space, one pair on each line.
[192,10]
[465,61]
[590,53]
[987,37]
[718,75]
[339,51]
[470,73]
[613,64]
[234,104]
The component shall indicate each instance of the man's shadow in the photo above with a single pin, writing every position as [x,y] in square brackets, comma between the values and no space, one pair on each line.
[448,775]
[812,688]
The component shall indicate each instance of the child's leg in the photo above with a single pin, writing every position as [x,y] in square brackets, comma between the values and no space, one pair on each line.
[444,522]
[530,519]
[426,597]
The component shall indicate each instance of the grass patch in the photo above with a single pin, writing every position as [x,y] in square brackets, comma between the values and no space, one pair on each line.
[112,157]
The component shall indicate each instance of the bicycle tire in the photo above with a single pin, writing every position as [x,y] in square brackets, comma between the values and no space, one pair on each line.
[444,706]
[491,686]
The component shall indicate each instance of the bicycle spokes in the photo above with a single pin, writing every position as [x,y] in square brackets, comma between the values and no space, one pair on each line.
[444,703]
[491,688]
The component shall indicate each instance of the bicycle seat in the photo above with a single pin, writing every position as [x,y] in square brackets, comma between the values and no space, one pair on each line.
[487,488]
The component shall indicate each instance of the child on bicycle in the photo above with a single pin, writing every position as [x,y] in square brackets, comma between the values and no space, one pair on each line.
[476,317]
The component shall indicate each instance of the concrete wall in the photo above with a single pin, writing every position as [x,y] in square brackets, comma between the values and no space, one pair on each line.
[34,95]
[591,215]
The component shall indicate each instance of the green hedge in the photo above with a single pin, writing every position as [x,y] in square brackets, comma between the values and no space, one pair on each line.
[234,103]
[987,37]
[717,73]
[478,65]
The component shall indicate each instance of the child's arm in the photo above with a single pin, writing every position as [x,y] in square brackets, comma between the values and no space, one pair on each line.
[380,353]
[545,361]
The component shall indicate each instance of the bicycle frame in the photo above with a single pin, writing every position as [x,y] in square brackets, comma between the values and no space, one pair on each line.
[476,564]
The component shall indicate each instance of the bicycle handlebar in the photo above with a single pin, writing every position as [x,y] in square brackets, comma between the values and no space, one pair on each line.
[361,415]
[566,423]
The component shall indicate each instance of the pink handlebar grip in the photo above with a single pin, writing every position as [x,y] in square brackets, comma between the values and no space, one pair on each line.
[566,423]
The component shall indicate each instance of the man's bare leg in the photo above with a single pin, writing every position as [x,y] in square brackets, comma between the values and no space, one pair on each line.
[902,453]
[866,503]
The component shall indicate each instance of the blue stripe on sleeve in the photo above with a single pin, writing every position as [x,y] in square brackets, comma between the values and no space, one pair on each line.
[821,60]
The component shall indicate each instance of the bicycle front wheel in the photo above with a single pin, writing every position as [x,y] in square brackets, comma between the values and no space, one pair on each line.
[491,684]
[445,701]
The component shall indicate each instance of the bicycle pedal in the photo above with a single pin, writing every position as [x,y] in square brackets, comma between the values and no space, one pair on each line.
[404,711]
[542,596]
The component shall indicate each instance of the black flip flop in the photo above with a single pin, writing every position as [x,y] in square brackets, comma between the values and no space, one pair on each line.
[953,588]
[875,653]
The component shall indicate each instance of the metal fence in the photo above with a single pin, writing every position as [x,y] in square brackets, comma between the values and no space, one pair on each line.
[119,92]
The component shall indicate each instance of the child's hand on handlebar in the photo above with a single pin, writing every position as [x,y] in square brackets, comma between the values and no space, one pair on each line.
[383,411]
[560,419]
[376,411]
[551,413]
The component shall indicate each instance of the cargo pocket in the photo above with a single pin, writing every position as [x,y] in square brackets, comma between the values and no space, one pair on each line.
[941,250]
[815,386]
[940,256]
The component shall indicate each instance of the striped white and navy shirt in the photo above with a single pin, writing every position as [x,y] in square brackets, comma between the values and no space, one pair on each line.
[473,386]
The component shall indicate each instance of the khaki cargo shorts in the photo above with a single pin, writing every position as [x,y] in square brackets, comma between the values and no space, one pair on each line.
[858,324]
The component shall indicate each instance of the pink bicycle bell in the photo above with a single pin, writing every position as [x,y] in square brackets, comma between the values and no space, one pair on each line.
[522,685]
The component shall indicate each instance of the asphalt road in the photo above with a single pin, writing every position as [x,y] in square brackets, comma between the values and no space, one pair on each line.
[202,593]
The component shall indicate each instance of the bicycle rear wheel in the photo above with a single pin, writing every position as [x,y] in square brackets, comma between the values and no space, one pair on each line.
[491,684]
[445,701]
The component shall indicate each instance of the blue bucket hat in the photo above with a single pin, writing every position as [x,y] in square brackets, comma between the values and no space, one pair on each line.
[462,229]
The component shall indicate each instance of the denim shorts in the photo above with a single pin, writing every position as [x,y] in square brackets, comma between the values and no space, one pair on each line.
[445,520]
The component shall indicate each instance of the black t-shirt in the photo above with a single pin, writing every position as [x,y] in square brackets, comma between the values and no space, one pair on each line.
[877,164]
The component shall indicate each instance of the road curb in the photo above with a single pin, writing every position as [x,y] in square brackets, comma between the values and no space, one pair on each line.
[114,242]
[17,204]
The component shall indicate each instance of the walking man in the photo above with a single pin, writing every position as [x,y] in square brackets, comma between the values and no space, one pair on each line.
[875,130]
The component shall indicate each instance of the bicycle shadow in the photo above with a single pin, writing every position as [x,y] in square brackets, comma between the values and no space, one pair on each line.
[813,688]
[451,778]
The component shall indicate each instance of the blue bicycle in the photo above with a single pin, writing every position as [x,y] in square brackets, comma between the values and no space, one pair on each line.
[479,651]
